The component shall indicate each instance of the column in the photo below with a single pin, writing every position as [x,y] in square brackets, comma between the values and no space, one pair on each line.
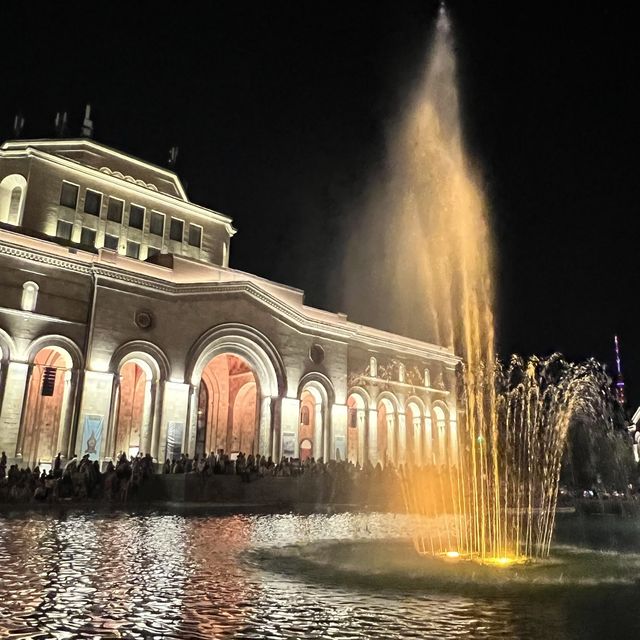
[174,418]
[97,408]
[418,441]
[15,388]
[275,435]
[157,424]
[372,437]
[290,425]
[361,421]
[401,453]
[318,431]
[428,441]
[337,431]
[64,430]
[265,427]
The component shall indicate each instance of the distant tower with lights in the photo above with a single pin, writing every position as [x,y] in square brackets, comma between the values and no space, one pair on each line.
[619,379]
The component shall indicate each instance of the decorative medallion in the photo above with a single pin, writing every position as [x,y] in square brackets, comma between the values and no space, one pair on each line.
[143,319]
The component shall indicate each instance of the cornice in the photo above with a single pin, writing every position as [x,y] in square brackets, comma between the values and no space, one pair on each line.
[346,331]
[68,264]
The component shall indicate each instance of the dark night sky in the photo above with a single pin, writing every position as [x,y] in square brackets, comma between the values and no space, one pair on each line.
[280,110]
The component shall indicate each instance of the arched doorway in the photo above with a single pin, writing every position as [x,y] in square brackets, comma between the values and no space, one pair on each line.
[356,428]
[228,411]
[307,423]
[47,410]
[315,394]
[440,440]
[414,433]
[386,431]
[133,423]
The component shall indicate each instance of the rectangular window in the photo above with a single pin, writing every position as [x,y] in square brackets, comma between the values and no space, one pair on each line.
[111,242]
[64,230]
[156,225]
[195,235]
[176,230]
[152,251]
[88,237]
[133,249]
[92,202]
[136,216]
[69,195]
[114,210]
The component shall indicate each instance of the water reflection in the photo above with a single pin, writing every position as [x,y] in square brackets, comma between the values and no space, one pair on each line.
[180,576]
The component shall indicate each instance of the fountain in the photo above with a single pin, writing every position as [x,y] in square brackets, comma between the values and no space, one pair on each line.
[494,500]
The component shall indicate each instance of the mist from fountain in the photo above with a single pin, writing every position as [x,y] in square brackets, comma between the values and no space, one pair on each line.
[493,497]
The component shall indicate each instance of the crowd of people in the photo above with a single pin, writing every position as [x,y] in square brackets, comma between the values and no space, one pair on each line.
[76,479]
[82,479]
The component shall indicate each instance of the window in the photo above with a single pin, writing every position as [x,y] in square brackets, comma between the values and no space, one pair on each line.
[114,210]
[29,296]
[92,202]
[176,230]
[111,242]
[88,237]
[69,195]
[136,216]
[156,226]
[152,251]
[133,249]
[304,415]
[195,235]
[48,381]
[63,230]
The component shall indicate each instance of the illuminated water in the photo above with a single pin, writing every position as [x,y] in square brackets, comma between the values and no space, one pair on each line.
[189,576]
[427,245]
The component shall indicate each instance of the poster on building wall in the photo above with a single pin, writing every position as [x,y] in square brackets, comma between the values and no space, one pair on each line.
[174,439]
[341,448]
[288,444]
[92,436]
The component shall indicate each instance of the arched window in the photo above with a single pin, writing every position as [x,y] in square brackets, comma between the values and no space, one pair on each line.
[29,296]
[304,415]
[12,196]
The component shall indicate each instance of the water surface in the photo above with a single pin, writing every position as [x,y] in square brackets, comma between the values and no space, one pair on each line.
[138,575]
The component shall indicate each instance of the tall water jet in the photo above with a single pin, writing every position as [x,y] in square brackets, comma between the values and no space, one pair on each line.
[493,499]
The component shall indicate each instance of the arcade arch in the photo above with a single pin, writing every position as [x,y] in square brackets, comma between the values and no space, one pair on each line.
[356,428]
[316,395]
[414,413]
[48,406]
[228,407]
[387,431]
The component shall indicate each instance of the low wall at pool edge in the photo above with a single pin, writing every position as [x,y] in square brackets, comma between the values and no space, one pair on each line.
[268,491]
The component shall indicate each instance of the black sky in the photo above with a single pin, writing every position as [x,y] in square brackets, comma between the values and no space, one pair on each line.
[280,111]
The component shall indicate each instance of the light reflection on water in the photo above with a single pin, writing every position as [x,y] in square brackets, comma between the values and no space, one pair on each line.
[186,576]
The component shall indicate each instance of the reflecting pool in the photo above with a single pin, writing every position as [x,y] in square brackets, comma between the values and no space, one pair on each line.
[186,575]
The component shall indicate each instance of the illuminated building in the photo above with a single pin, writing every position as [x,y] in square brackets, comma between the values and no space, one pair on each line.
[122,328]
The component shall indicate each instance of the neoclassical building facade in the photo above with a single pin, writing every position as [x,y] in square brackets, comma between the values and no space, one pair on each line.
[123,329]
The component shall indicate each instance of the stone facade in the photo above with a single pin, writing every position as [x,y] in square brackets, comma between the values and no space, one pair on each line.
[174,351]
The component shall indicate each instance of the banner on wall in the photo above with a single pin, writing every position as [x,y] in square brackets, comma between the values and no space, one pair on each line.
[288,444]
[92,436]
[175,431]
[341,448]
